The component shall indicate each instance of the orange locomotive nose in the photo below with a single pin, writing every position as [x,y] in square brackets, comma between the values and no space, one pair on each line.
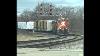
[63,24]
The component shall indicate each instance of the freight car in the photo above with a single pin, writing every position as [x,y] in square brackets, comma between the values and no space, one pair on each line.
[43,26]
[25,25]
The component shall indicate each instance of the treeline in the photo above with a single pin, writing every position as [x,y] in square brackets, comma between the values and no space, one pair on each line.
[75,15]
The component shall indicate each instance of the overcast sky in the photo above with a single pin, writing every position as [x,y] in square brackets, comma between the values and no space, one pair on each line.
[31,4]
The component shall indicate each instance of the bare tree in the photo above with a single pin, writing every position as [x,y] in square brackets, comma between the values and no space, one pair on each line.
[77,23]
[75,15]
[27,16]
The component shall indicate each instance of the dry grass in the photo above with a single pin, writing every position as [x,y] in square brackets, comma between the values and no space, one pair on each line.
[35,52]
[27,37]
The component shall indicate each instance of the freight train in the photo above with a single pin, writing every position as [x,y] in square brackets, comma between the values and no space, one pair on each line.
[59,26]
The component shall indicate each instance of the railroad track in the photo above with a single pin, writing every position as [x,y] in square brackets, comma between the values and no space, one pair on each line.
[49,42]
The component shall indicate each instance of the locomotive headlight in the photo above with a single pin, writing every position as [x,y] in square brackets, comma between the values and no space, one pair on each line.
[63,23]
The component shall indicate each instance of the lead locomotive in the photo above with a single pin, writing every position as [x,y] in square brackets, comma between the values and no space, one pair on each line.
[62,26]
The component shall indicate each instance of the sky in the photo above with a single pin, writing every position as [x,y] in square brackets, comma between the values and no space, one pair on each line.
[31,4]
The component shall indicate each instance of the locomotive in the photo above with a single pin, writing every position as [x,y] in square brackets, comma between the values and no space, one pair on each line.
[62,26]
